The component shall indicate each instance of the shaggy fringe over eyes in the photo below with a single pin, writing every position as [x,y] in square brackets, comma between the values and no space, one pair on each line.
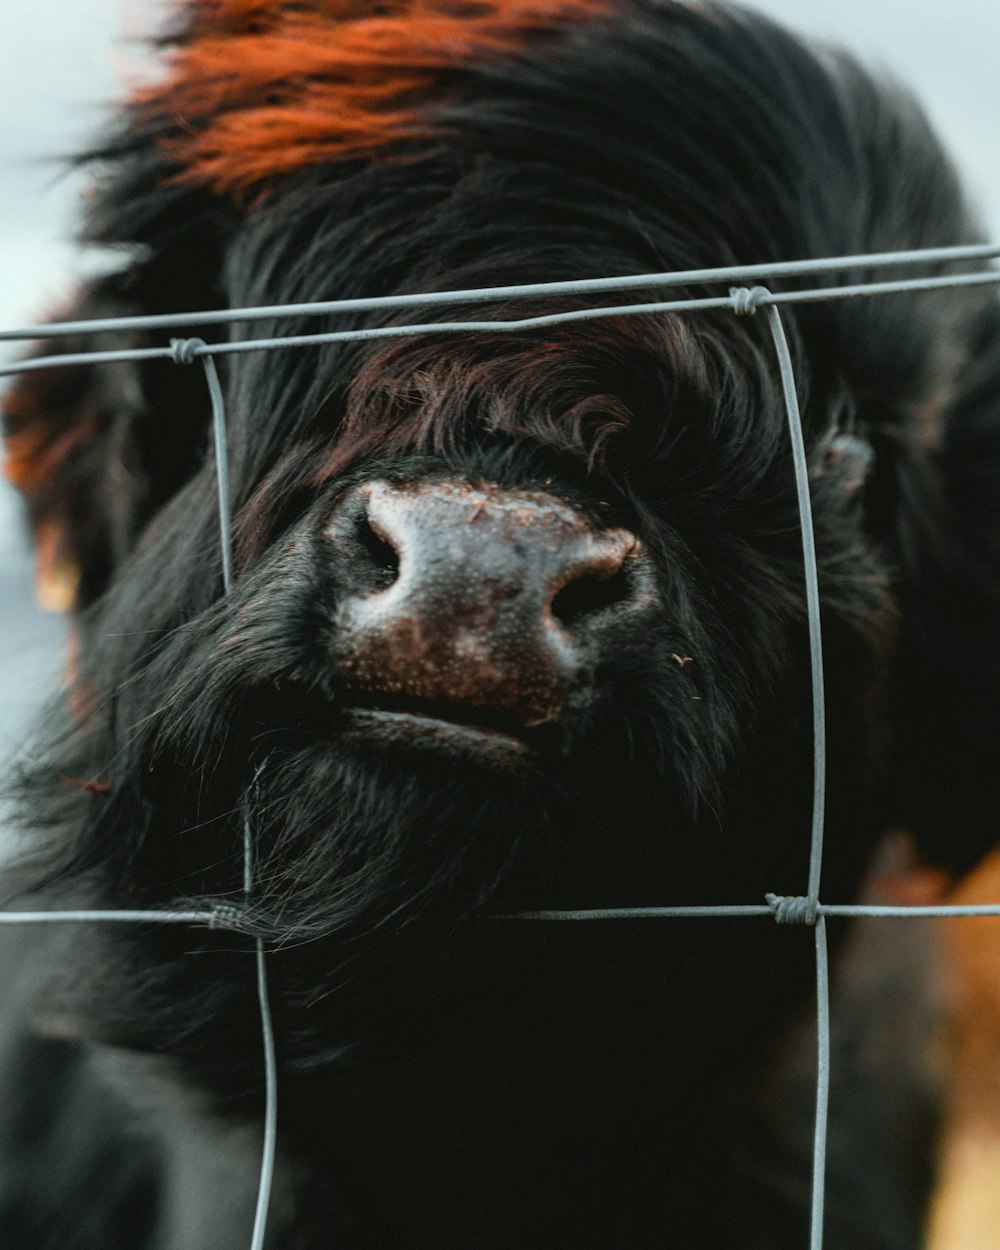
[260,89]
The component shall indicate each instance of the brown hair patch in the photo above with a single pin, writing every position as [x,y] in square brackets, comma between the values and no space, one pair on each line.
[259,88]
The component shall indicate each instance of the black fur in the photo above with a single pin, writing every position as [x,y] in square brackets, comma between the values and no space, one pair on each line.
[450,1080]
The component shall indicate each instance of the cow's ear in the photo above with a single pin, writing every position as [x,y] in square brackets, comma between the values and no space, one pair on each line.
[96,448]
[849,460]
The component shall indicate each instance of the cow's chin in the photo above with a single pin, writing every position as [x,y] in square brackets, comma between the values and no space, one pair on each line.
[389,867]
[397,819]
[367,813]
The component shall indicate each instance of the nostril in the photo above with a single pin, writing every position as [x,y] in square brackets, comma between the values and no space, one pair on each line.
[590,593]
[383,557]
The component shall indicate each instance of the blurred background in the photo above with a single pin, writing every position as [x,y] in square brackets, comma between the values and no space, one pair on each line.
[64,64]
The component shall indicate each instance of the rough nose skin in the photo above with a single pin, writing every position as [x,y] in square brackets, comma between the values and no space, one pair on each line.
[475,596]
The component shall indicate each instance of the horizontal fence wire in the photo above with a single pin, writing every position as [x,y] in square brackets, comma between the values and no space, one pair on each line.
[741,300]
[729,274]
[502,326]
[720,911]
[234,919]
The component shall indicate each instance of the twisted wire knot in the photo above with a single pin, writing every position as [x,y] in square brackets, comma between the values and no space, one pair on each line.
[226,916]
[185,351]
[746,299]
[793,909]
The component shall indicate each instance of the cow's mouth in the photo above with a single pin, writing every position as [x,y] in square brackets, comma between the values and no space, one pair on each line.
[396,719]
[404,718]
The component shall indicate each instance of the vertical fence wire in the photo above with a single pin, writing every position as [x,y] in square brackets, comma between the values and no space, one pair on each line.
[186,351]
[822,1086]
[811,913]
[812,599]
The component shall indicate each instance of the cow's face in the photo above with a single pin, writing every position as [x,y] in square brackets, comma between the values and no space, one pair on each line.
[514,625]
[518,619]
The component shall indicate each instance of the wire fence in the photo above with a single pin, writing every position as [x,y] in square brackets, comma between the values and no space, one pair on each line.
[745,297]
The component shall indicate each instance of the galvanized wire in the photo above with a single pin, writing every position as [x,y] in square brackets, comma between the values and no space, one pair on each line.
[822,1086]
[727,274]
[112,915]
[185,354]
[811,577]
[502,326]
[234,918]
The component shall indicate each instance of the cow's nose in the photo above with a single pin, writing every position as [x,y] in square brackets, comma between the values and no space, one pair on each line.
[474,595]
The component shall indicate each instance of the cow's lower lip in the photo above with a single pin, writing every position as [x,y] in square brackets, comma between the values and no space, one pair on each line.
[426,727]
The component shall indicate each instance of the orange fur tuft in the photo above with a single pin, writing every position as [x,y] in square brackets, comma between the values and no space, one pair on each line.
[265,87]
[33,454]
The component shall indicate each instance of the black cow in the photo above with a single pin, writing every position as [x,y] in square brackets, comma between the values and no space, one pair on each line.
[518,621]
